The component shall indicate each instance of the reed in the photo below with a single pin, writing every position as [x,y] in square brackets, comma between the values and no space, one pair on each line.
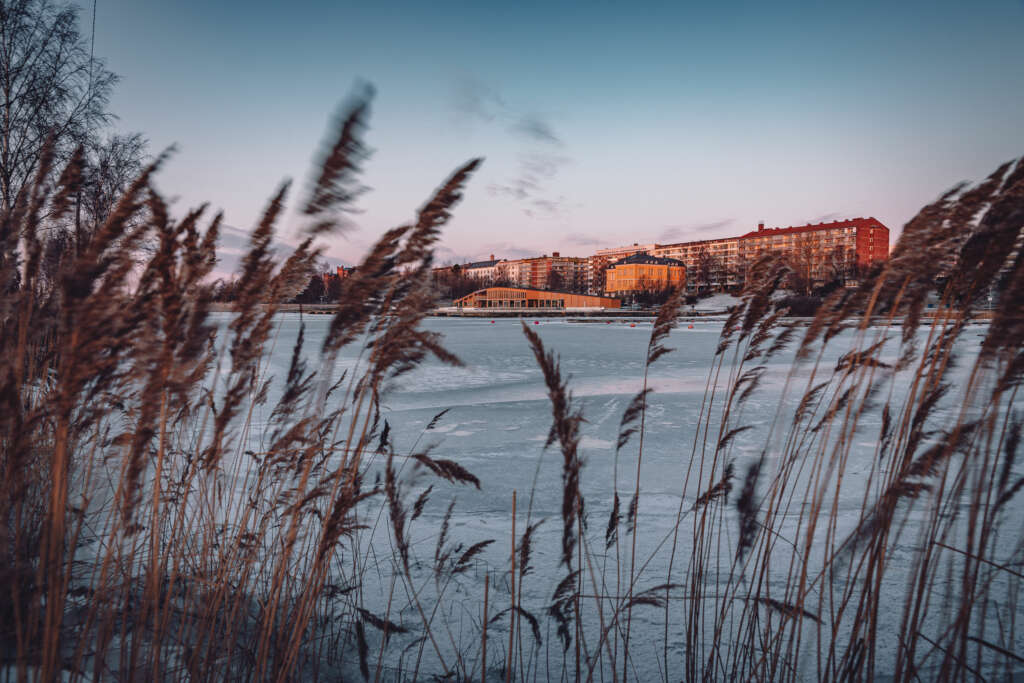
[162,517]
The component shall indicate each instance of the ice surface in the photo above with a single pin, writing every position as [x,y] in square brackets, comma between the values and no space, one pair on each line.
[498,421]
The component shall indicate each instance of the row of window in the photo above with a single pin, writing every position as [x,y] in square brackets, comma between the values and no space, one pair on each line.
[519,303]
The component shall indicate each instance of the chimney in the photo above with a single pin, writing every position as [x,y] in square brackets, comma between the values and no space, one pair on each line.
[554,254]
[492,257]
[760,226]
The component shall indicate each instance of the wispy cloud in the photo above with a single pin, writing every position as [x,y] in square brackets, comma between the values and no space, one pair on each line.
[535,128]
[445,256]
[538,166]
[580,240]
[550,208]
[825,218]
[507,250]
[531,185]
[682,232]
[232,246]
[519,188]
[542,166]
[476,100]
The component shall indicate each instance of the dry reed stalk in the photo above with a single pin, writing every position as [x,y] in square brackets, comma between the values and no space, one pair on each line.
[483,630]
[120,534]
[512,595]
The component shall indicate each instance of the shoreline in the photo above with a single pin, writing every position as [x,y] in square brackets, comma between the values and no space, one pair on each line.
[587,315]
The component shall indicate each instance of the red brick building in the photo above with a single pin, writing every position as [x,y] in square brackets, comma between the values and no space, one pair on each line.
[865,240]
[820,251]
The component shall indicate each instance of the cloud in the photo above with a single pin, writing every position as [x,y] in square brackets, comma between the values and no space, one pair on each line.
[581,240]
[678,233]
[715,225]
[529,187]
[824,218]
[537,129]
[542,166]
[233,245]
[550,208]
[446,256]
[672,233]
[476,100]
[507,250]
[537,167]
[519,189]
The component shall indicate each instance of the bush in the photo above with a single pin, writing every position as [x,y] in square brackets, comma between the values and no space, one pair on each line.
[800,306]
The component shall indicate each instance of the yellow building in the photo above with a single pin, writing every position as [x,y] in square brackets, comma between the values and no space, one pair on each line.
[643,272]
[522,298]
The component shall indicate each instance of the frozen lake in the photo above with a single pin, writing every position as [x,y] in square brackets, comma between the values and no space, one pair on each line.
[496,425]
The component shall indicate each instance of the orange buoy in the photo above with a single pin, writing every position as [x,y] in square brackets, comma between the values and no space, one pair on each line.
[632,324]
[689,327]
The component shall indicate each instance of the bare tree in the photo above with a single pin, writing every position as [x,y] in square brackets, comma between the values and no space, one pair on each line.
[739,271]
[333,287]
[555,281]
[839,266]
[802,259]
[51,88]
[111,164]
[708,270]
[313,292]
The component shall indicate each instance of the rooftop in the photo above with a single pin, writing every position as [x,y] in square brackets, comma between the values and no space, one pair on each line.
[482,264]
[535,289]
[647,259]
[762,231]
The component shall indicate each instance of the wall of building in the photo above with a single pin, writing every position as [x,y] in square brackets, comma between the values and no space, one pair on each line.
[629,278]
[521,298]
[717,261]
[602,258]
[823,250]
[536,272]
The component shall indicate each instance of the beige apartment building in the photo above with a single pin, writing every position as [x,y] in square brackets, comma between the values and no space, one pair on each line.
[642,272]
[602,258]
[712,264]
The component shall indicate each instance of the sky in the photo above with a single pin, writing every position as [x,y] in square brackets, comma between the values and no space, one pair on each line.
[600,123]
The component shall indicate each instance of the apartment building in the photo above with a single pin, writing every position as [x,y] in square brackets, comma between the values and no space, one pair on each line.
[710,264]
[823,250]
[643,272]
[820,251]
[341,272]
[602,258]
[547,272]
[488,270]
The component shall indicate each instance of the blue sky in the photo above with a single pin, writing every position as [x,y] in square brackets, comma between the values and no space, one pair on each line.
[601,123]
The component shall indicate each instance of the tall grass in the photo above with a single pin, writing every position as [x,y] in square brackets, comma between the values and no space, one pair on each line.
[163,518]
